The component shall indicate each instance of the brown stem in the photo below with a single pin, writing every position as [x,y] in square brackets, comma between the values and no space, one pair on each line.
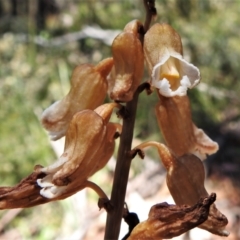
[168,159]
[150,13]
[124,158]
[97,189]
[121,171]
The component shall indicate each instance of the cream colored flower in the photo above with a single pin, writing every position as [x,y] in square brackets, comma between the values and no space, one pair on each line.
[170,73]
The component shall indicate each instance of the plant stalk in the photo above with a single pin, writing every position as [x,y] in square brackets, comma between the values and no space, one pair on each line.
[121,171]
[124,157]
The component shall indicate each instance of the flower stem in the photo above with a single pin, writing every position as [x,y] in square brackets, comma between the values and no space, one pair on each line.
[124,157]
[121,171]
[150,13]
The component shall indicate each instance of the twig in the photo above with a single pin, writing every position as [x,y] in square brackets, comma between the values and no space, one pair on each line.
[104,35]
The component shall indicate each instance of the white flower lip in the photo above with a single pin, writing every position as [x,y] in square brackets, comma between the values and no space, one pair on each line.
[204,144]
[50,190]
[53,120]
[189,75]
[53,191]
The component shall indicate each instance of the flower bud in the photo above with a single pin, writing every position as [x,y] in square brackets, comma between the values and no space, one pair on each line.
[170,73]
[180,134]
[128,61]
[88,91]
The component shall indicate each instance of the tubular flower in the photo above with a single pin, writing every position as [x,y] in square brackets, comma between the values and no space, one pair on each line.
[128,63]
[88,91]
[185,181]
[27,193]
[170,73]
[180,134]
[89,145]
[168,221]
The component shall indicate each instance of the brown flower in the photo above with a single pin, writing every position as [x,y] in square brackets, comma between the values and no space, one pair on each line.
[88,91]
[168,221]
[27,193]
[185,181]
[170,73]
[180,134]
[88,147]
[128,63]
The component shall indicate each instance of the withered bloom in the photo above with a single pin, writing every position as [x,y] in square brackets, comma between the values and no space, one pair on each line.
[185,181]
[27,193]
[167,221]
[128,63]
[171,74]
[180,134]
[88,91]
[88,147]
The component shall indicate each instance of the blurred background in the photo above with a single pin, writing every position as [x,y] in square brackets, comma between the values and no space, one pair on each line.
[41,41]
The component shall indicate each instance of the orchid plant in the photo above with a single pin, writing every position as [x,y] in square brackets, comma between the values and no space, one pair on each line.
[83,118]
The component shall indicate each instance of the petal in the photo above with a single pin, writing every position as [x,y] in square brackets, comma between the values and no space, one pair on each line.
[175,121]
[56,165]
[165,88]
[204,145]
[186,185]
[88,147]
[167,221]
[158,39]
[188,69]
[61,192]
[129,63]
[189,75]
[45,182]
[185,181]
[88,91]
[105,110]
[83,139]
[54,120]
[53,191]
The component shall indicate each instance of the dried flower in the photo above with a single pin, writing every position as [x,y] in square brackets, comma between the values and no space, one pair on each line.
[171,74]
[185,181]
[128,62]
[168,221]
[88,91]
[27,193]
[88,147]
[180,134]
